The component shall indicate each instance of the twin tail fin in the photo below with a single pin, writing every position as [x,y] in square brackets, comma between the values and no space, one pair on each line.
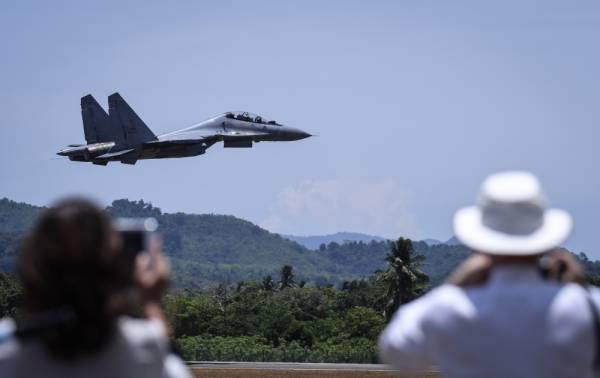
[96,123]
[122,116]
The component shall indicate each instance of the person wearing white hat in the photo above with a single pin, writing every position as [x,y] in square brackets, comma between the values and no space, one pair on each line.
[499,315]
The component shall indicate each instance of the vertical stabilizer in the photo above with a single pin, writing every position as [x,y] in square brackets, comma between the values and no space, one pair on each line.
[95,120]
[123,117]
[96,123]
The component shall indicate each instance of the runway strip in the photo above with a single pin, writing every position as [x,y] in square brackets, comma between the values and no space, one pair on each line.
[304,370]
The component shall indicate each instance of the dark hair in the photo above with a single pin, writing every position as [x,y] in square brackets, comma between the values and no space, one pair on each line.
[68,263]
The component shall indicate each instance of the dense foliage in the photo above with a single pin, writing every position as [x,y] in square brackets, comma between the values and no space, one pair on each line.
[15,221]
[10,295]
[279,321]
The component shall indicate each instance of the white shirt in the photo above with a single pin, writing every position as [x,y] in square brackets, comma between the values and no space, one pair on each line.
[517,325]
[140,349]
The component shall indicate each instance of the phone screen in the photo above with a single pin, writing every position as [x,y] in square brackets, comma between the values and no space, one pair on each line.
[132,243]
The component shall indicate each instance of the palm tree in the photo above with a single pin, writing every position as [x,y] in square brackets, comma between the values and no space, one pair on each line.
[403,281]
[268,284]
[223,297]
[287,277]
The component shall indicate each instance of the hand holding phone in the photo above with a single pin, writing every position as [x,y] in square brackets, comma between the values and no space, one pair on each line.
[136,235]
[561,266]
[148,269]
[152,271]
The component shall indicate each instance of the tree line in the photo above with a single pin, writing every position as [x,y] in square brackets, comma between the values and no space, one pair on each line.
[282,318]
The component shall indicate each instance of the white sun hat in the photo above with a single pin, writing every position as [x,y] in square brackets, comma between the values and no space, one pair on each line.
[511,218]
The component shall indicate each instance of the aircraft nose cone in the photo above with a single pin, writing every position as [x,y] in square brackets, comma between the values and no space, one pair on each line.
[297,134]
[303,134]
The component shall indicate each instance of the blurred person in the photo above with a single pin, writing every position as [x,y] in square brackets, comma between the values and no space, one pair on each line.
[76,297]
[516,308]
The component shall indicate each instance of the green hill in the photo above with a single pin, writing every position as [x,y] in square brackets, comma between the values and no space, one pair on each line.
[209,249]
[204,249]
[15,219]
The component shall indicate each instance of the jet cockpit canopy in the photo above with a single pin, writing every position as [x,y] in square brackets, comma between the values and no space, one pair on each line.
[250,117]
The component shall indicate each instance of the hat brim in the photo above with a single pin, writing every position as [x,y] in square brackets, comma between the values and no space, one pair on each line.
[470,230]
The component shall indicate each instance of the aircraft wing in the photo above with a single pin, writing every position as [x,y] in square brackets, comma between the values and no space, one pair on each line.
[240,134]
[209,138]
[171,142]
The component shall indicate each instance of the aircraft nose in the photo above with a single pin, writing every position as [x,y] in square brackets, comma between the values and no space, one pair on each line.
[304,134]
[297,134]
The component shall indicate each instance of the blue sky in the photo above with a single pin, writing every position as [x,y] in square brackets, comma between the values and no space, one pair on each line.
[414,103]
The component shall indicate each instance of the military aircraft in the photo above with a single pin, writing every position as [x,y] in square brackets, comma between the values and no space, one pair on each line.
[121,135]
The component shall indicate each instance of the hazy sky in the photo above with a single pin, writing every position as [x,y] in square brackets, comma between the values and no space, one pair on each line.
[414,103]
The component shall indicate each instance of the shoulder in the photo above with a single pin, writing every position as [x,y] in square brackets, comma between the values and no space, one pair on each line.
[404,342]
[443,301]
[573,296]
[594,293]
[143,331]
[149,341]
[142,328]
[441,304]
[445,294]
[143,339]
[8,343]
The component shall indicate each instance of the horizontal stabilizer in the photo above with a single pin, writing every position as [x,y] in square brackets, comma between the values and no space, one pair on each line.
[111,155]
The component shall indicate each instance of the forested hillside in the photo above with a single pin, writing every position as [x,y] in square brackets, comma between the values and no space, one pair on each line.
[15,219]
[207,250]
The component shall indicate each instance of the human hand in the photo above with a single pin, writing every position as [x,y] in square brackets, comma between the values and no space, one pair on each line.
[561,266]
[474,271]
[152,271]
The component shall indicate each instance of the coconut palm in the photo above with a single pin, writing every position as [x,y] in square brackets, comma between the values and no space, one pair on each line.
[403,281]
[287,277]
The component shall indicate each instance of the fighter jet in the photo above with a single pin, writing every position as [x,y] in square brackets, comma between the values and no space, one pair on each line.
[121,135]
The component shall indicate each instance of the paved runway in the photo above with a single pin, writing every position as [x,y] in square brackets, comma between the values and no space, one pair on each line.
[288,366]
[290,369]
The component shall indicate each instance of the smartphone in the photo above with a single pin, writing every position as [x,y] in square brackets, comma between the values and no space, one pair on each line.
[136,235]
